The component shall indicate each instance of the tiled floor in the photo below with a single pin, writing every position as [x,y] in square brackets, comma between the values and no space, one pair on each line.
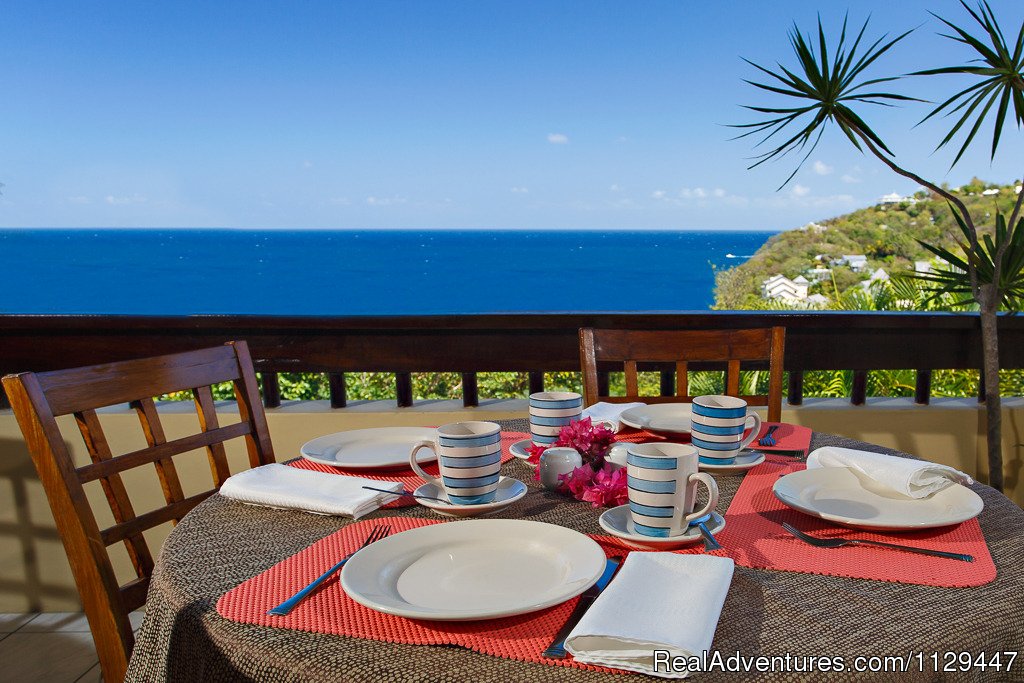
[53,647]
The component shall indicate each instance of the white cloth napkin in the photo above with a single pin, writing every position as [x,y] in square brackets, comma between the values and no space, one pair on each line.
[658,601]
[281,486]
[912,478]
[608,412]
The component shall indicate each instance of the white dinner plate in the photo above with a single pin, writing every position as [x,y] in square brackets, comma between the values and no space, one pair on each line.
[520,450]
[671,418]
[741,463]
[509,491]
[473,569]
[370,448]
[619,523]
[841,495]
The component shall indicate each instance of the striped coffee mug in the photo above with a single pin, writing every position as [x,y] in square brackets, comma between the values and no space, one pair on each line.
[469,457]
[662,480]
[550,411]
[717,426]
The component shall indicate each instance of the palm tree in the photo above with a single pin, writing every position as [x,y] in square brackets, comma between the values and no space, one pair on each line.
[823,89]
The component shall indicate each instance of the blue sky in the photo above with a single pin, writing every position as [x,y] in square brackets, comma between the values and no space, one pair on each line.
[475,114]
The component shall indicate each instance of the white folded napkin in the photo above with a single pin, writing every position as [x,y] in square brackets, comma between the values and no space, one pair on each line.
[658,601]
[608,412]
[281,486]
[912,478]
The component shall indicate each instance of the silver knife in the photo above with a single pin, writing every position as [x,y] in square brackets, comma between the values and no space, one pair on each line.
[556,650]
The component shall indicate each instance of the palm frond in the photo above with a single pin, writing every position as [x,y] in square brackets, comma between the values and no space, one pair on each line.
[825,86]
[1003,79]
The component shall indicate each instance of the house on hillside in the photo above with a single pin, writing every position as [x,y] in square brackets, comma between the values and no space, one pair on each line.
[991,192]
[922,267]
[895,198]
[878,276]
[818,274]
[856,262]
[781,287]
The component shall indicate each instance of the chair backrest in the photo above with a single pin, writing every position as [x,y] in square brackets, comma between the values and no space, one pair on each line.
[682,347]
[39,398]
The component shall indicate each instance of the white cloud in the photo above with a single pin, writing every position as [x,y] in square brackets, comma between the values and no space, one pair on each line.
[558,138]
[615,188]
[659,194]
[385,201]
[121,201]
[799,190]
[693,193]
[849,178]
[519,190]
[821,168]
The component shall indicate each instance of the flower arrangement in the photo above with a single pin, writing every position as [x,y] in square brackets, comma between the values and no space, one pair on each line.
[594,481]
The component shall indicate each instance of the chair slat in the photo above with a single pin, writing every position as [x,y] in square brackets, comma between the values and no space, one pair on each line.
[207,412]
[632,383]
[121,463]
[732,378]
[153,429]
[113,488]
[148,520]
[247,395]
[682,379]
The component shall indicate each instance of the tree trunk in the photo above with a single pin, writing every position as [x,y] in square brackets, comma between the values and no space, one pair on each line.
[989,306]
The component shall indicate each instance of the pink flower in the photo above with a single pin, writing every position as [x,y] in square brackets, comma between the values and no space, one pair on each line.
[603,488]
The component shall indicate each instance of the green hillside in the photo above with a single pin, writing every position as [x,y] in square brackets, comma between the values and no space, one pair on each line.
[885,233]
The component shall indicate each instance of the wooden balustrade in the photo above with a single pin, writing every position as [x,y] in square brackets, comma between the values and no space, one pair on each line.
[531,343]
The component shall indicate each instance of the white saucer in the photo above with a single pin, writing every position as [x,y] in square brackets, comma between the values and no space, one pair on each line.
[509,491]
[618,522]
[742,463]
[519,450]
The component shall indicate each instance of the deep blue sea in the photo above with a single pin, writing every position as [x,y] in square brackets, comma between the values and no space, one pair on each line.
[373,272]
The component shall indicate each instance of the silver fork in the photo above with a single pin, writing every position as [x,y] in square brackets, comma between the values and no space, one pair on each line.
[378,532]
[839,542]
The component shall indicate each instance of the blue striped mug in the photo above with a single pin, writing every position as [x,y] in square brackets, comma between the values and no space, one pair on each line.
[662,480]
[717,425]
[550,411]
[469,457]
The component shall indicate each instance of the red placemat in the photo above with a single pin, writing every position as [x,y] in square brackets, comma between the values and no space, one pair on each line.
[331,610]
[754,537]
[409,479]
[788,437]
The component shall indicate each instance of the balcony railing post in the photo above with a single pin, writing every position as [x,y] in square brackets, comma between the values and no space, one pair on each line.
[981,386]
[668,383]
[5,403]
[470,395]
[796,387]
[536,381]
[923,387]
[602,383]
[271,390]
[860,387]
[339,392]
[403,389]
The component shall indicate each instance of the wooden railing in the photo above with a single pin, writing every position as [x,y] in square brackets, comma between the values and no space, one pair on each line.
[532,343]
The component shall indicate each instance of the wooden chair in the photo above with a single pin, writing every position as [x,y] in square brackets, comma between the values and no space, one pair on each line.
[683,347]
[38,398]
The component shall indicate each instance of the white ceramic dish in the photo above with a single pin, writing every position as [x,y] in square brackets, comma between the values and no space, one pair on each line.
[619,523]
[519,450]
[509,491]
[841,495]
[671,418]
[375,448]
[742,463]
[473,569]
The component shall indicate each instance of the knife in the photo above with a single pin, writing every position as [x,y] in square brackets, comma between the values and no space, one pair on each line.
[556,650]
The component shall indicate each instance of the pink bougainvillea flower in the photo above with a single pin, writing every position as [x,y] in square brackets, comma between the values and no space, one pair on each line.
[578,481]
[607,488]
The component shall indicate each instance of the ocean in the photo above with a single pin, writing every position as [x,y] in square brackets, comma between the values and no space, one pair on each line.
[368,272]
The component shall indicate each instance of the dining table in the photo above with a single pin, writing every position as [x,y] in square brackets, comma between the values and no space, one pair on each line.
[767,612]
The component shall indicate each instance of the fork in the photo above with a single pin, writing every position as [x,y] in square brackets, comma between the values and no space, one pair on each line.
[377,533]
[768,439]
[840,542]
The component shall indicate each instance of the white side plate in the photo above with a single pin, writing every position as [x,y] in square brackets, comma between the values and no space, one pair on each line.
[671,418]
[370,448]
[473,569]
[846,497]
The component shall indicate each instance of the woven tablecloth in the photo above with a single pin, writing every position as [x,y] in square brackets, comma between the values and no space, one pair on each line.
[774,613]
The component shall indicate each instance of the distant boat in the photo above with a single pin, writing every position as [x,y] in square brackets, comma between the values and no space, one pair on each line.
[735,256]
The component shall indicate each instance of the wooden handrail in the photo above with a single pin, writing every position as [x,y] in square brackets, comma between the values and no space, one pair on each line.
[526,342]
